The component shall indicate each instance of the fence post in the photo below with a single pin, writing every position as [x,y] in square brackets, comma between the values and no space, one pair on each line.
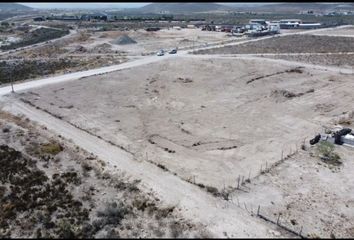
[278,219]
[282,154]
[258,210]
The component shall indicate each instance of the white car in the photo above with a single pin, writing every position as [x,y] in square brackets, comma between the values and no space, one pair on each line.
[161,53]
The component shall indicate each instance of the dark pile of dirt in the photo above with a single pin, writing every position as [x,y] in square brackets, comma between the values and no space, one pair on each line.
[123,40]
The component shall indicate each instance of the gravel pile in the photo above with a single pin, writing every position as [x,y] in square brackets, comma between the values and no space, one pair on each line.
[125,39]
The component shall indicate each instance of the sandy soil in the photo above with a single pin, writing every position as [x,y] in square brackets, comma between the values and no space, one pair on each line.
[191,126]
[158,117]
[307,193]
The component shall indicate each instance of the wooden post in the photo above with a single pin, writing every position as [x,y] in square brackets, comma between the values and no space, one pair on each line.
[258,210]
[238,182]
[278,219]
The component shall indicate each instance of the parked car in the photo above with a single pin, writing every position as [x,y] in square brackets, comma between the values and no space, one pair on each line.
[161,52]
[173,51]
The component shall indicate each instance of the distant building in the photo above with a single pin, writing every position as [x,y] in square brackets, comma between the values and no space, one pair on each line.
[260,21]
[289,23]
[97,17]
[64,18]
[309,25]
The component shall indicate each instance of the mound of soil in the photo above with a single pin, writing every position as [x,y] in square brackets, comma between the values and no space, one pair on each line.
[125,39]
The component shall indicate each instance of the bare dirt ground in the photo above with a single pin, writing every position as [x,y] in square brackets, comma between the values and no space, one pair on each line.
[216,136]
[307,193]
[51,189]
[289,44]
[167,39]
[158,117]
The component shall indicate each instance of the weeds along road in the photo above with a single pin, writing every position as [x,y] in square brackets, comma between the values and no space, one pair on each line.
[195,204]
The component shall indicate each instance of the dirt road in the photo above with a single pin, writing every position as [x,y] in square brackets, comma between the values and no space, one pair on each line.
[221,217]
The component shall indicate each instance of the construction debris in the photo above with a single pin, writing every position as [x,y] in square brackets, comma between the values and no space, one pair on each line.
[343,136]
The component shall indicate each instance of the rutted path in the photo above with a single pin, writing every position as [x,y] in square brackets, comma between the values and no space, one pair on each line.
[197,205]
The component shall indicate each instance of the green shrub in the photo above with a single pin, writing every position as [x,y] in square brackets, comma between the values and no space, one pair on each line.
[325,151]
[51,148]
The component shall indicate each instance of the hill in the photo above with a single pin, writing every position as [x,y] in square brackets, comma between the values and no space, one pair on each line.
[13,6]
[182,7]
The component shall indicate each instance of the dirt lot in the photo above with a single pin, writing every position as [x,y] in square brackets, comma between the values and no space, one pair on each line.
[153,41]
[342,60]
[51,189]
[154,112]
[289,44]
[89,49]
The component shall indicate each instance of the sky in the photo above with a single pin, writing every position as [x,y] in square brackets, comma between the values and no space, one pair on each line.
[43,5]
